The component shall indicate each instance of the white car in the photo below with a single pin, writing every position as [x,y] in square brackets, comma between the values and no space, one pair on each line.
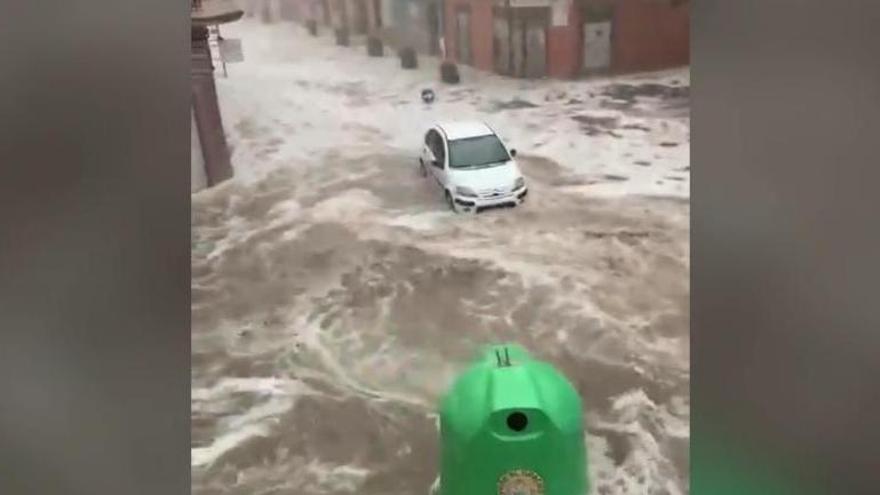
[473,167]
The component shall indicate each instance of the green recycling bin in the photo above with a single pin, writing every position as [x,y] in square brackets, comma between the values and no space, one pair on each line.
[512,425]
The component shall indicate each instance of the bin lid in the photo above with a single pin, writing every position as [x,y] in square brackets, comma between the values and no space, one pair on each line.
[506,377]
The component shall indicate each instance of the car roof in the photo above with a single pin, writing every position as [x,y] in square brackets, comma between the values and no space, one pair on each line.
[464,129]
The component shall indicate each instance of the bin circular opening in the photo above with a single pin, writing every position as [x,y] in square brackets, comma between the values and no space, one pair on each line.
[517,421]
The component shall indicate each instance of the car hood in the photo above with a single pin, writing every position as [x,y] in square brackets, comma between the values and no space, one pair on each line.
[497,176]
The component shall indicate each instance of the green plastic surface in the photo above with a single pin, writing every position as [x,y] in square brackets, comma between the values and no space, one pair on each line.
[479,447]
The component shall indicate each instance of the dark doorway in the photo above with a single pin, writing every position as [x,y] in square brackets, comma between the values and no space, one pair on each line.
[520,41]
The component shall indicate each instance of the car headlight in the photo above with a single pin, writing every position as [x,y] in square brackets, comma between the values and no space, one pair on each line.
[520,182]
[465,191]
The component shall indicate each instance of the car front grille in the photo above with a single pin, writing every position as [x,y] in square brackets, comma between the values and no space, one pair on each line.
[494,193]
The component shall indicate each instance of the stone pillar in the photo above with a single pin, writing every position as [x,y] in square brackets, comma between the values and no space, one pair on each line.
[207,111]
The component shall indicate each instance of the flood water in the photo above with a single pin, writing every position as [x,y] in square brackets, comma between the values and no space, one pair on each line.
[333,303]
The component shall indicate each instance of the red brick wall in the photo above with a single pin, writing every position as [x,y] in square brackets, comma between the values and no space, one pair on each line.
[647,35]
[563,42]
[564,46]
[481,34]
[650,35]
[481,31]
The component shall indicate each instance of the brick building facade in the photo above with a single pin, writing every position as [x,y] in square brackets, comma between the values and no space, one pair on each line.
[566,38]
[526,38]
[650,35]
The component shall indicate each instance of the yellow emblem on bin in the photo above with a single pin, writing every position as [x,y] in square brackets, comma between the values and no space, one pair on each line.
[520,482]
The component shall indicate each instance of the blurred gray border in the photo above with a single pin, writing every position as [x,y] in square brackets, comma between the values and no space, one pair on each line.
[94,239]
[785,153]
[94,247]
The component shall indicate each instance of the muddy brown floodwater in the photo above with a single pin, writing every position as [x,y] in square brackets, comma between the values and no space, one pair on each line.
[333,302]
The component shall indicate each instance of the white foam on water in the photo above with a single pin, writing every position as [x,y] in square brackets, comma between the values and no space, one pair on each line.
[631,403]
[345,207]
[645,466]
[240,230]
[203,456]
[276,396]
[263,386]
[337,478]
[286,210]
[427,221]
[600,466]
[237,231]
[315,340]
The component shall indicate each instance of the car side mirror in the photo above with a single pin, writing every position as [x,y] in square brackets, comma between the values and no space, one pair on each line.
[513,152]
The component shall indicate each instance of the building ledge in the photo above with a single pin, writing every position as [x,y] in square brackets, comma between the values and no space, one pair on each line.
[211,12]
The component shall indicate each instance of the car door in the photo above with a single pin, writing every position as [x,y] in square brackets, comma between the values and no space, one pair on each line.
[427,152]
[439,167]
[431,153]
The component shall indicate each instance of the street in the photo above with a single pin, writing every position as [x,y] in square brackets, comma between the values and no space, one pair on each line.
[334,296]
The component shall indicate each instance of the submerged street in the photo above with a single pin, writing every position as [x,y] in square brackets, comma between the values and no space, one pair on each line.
[334,296]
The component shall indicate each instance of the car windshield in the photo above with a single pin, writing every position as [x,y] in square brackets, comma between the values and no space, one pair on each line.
[480,151]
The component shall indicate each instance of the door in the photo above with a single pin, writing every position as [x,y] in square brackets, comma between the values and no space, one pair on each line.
[428,150]
[429,154]
[527,46]
[439,166]
[434,156]
[535,48]
[597,46]
[501,43]
[463,28]
[517,37]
